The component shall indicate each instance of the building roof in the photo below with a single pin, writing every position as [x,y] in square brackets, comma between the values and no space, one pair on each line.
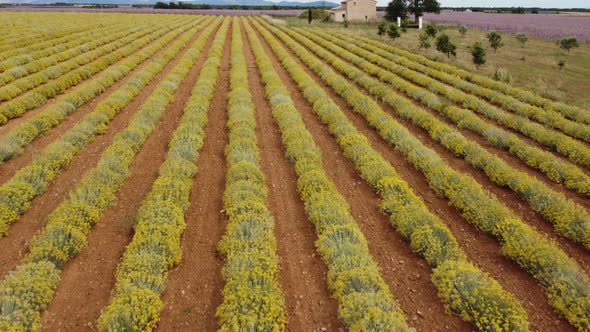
[336,9]
[346,1]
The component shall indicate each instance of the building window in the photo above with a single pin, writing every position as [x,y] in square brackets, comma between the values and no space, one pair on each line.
[366,17]
[343,15]
[354,3]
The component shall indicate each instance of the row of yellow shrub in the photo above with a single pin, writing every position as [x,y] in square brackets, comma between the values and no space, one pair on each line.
[13,69]
[67,42]
[26,83]
[567,286]
[12,143]
[27,40]
[135,303]
[547,117]
[66,71]
[570,219]
[39,95]
[465,289]
[568,146]
[28,289]
[484,86]
[17,193]
[365,302]
[252,297]
[556,169]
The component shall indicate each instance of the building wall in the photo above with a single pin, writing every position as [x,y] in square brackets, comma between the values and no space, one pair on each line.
[337,16]
[361,10]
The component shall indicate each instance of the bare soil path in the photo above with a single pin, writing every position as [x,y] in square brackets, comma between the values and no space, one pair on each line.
[193,291]
[88,278]
[16,243]
[302,272]
[505,195]
[406,273]
[481,249]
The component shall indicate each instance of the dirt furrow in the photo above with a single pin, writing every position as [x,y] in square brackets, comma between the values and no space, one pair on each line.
[193,291]
[509,158]
[516,162]
[87,280]
[481,249]
[302,272]
[406,273]
[522,136]
[15,244]
[84,66]
[27,115]
[8,168]
[505,195]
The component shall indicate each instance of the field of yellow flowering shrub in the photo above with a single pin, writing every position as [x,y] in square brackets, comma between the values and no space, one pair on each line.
[111,124]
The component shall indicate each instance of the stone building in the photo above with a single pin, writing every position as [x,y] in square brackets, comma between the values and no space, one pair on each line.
[354,11]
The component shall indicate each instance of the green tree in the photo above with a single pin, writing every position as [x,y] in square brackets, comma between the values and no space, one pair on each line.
[419,7]
[309,16]
[522,38]
[568,43]
[444,45]
[478,54]
[431,30]
[462,30]
[424,41]
[495,40]
[393,31]
[395,9]
[381,29]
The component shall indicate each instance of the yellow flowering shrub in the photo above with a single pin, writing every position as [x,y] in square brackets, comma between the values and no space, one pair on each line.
[47,164]
[57,81]
[393,60]
[61,240]
[364,299]
[474,83]
[252,297]
[135,303]
[477,206]
[569,218]
[427,234]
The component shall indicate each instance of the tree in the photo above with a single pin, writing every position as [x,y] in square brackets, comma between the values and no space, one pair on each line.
[522,38]
[444,45]
[462,30]
[309,16]
[568,43]
[419,7]
[395,9]
[495,40]
[431,30]
[393,31]
[381,29]
[479,54]
[424,41]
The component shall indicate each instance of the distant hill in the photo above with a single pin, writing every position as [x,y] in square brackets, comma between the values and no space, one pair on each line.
[199,2]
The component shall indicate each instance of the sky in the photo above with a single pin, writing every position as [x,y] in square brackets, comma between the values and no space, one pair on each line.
[514,3]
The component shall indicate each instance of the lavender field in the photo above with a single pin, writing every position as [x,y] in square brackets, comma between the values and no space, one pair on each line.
[539,25]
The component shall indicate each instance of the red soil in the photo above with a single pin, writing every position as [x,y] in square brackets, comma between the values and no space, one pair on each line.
[194,288]
[88,278]
[193,291]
